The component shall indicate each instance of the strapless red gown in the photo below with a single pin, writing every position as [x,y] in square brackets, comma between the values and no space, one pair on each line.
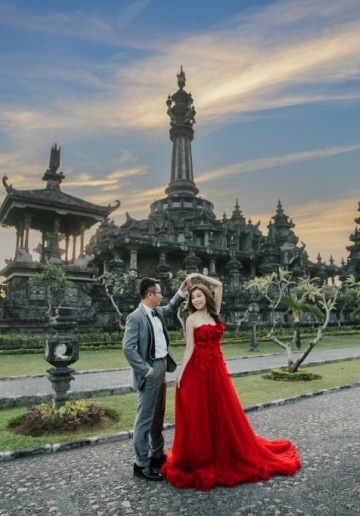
[214,443]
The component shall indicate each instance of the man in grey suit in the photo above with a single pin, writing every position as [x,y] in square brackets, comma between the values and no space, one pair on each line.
[147,348]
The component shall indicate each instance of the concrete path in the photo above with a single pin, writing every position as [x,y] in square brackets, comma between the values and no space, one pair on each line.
[97,480]
[91,480]
[15,391]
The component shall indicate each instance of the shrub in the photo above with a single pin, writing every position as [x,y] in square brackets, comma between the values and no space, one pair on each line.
[21,343]
[46,419]
[285,375]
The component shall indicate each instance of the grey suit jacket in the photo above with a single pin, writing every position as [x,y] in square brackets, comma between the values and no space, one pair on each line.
[139,341]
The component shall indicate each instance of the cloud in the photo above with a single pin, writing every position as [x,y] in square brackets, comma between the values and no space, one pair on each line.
[273,161]
[255,70]
[250,66]
[137,202]
[83,24]
[111,179]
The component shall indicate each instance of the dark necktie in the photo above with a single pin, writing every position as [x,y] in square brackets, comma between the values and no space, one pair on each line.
[153,313]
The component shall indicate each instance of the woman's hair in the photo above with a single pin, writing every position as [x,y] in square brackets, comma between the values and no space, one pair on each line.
[210,301]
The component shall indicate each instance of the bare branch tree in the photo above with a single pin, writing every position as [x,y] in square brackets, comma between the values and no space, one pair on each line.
[305,296]
[325,297]
[55,283]
[273,288]
[116,285]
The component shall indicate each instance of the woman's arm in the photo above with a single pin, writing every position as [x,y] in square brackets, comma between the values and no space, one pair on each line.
[189,348]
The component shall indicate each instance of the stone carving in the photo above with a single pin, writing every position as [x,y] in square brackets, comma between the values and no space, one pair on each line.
[83,261]
[22,255]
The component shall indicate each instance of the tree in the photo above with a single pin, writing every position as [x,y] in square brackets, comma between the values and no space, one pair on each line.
[297,303]
[55,283]
[324,299]
[305,296]
[272,288]
[116,284]
[349,298]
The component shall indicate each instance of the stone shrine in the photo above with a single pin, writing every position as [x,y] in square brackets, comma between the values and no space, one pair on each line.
[58,218]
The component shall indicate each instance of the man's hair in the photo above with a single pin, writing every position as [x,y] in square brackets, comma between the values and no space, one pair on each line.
[147,285]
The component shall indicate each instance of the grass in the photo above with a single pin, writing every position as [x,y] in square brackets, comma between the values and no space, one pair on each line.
[18,365]
[252,390]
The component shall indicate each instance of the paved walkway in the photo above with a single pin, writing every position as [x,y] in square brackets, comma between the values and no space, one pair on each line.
[87,480]
[15,391]
[98,481]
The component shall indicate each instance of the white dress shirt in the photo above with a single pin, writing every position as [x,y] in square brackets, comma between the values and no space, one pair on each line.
[160,340]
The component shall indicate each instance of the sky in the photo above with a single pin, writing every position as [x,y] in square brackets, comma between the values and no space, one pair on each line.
[275,84]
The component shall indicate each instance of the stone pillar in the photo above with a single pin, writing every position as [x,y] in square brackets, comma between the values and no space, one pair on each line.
[212,268]
[18,236]
[233,267]
[74,248]
[67,241]
[164,274]
[116,266]
[27,219]
[53,242]
[192,262]
[253,269]
[133,260]
[82,231]
[21,232]
[43,243]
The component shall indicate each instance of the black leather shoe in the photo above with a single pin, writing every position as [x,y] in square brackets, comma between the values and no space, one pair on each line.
[156,462]
[147,472]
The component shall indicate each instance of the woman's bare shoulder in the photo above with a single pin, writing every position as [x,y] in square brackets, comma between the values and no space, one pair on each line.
[190,319]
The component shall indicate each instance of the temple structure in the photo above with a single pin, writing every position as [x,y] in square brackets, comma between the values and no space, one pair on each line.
[180,232]
[353,263]
[60,220]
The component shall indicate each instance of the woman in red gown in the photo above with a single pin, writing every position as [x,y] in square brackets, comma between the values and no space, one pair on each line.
[214,443]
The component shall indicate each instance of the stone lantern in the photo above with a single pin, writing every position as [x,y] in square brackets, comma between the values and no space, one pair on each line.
[62,350]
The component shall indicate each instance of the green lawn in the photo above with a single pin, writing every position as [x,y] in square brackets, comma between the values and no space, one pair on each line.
[18,365]
[252,390]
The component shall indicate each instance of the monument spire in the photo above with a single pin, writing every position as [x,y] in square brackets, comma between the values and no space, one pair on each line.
[182,118]
[52,176]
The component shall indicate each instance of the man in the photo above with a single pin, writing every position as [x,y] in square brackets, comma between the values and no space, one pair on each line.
[147,348]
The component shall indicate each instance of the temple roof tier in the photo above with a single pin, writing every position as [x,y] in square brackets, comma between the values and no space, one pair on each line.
[39,204]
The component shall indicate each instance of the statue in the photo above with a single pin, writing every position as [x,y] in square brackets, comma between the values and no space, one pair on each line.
[22,255]
[54,162]
[84,260]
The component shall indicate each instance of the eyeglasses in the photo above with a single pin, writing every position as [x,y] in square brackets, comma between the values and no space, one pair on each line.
[156,291]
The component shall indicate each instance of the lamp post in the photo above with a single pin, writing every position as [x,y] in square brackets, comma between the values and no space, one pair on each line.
[254,310]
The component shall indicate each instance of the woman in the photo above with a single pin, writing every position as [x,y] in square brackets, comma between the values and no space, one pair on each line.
[214,443]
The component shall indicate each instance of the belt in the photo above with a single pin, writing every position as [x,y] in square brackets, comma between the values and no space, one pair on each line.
[162,358]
